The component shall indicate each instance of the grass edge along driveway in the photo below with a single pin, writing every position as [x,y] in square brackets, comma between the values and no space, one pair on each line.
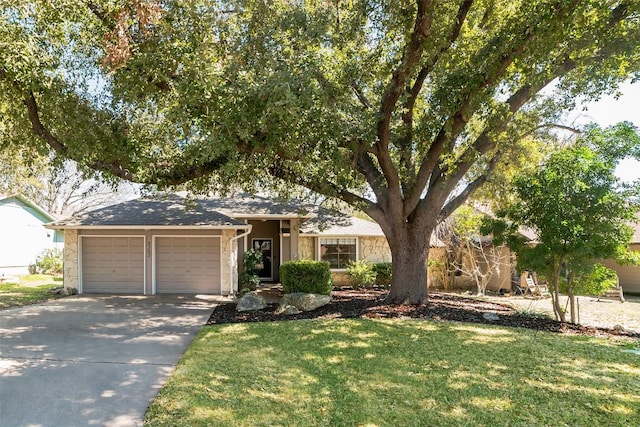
[365,372]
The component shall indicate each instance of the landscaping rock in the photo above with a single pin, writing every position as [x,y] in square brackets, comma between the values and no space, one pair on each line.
[65,292]
[492,317]
[287,310]
[305,302]
[251,302]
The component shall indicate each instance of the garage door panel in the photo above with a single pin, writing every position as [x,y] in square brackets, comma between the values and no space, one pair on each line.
[113,265]
[188,265]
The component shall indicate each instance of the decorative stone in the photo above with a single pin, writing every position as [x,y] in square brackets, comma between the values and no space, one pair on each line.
[287,310]
[304,302]
[66,291]
[492,317]
[251,302]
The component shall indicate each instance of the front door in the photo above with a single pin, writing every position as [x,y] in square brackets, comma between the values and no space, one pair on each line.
[266,247]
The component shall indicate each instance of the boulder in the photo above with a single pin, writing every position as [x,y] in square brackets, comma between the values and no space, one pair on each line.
[492,317]
[287,310]
[304,302]
[251,302]
[66,291]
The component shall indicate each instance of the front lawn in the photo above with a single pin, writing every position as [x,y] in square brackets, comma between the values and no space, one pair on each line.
[16,295]
[365,372]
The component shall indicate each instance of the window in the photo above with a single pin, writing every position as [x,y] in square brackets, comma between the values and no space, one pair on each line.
[338,252]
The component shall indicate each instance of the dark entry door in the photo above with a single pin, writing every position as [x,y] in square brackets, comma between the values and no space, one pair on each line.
[266,247]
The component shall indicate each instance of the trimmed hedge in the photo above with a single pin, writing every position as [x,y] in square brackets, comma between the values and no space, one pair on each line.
[383,272]
[312,277]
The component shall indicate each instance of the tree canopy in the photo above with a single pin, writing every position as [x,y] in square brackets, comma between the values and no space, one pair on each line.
[402,109]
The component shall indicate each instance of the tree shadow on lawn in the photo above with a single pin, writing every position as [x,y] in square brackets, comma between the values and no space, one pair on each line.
[398,372]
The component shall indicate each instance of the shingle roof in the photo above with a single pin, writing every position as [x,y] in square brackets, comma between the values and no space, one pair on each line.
[336,224]
[171,210]
[248,206]
[340,225]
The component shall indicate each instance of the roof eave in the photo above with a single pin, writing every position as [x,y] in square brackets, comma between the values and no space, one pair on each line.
[146,227]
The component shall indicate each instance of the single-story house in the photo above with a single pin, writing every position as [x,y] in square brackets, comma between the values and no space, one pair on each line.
[23,234]
[628,275]
[174,244]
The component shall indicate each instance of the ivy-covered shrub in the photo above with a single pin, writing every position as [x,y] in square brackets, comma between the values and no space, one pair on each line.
[361,273]
[383,272]
[313,277]
[49,262]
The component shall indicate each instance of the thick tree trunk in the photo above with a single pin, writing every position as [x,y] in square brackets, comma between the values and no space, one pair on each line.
[409,281]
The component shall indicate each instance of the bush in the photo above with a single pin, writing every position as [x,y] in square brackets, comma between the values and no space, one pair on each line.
[49,262]
[249,278]
[383,272]
[306,276]
[361,273]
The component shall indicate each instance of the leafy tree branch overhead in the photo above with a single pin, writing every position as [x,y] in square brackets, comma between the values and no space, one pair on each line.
[401,108]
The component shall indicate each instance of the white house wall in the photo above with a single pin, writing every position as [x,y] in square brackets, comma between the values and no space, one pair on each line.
[22,237]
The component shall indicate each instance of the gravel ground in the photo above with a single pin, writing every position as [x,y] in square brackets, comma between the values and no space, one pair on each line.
[604,313]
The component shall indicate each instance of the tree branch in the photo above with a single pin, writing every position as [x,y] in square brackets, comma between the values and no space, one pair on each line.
[457,201]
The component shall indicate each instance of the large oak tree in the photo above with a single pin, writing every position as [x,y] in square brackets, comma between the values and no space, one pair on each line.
[400,108]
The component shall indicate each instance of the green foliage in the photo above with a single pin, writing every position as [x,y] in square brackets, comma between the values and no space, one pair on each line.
[384,273]
[361,273]
[594,280]
[50,262]
[249,278]
[306,276]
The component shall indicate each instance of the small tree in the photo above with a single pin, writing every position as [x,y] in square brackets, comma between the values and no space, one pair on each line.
[578,208]
[467,251]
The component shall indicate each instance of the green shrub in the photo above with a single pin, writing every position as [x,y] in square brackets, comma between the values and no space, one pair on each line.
[306,276]
[49,262]
[383,272]
[249,278]
[361,273]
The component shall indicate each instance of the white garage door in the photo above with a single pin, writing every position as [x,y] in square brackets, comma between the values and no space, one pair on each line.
[113,265]
[188,265]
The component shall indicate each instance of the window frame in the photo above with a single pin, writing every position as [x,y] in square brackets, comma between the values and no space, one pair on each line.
[355,239]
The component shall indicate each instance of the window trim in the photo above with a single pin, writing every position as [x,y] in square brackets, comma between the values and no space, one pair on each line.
[319,248]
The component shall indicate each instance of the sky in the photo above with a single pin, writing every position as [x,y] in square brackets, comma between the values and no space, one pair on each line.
[609,111]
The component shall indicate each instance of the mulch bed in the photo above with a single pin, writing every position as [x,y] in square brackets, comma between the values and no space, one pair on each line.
[368,303]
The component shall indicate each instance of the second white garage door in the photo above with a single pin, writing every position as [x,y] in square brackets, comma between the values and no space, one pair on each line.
[188,265]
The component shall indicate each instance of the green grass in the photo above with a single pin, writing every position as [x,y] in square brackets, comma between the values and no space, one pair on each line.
[398,373]
[16,295]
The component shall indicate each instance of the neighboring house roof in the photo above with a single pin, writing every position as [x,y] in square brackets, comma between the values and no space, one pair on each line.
[36,210]
[167,211]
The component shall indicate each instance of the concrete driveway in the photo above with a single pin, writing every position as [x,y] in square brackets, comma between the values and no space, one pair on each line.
[99,360]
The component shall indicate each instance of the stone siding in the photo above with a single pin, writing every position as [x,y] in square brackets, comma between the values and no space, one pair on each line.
[306,247]
[70,259]
[225,269]
[374,249]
